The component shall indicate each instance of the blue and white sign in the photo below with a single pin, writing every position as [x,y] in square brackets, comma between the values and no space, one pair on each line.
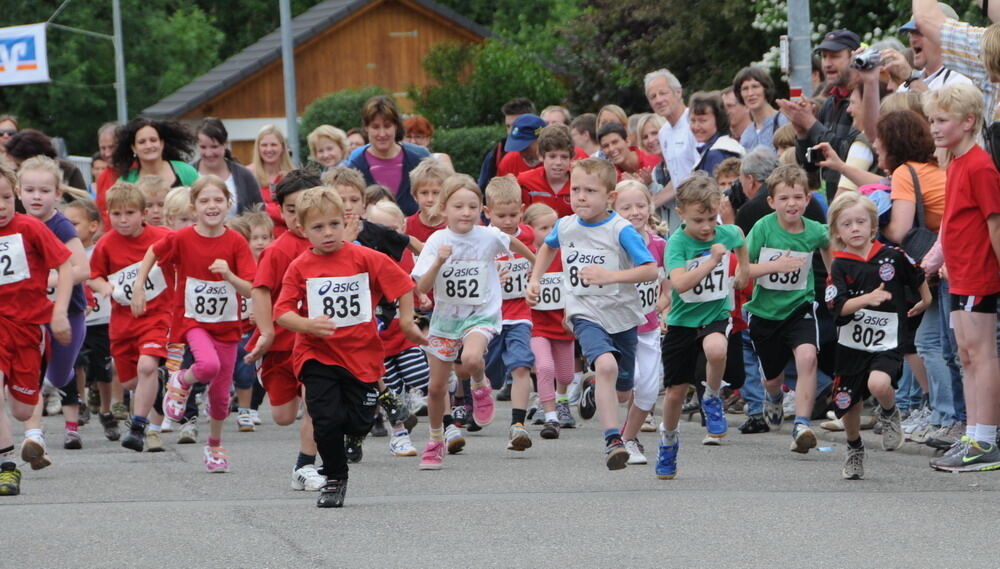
[23,58]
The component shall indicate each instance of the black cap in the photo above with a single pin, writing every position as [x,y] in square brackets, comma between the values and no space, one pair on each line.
[838,40]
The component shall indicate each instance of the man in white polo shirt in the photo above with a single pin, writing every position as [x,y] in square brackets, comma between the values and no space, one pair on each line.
[931,73]
[666,98]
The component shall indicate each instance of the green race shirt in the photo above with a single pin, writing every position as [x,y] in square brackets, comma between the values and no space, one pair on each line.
[776,296]
[711,299]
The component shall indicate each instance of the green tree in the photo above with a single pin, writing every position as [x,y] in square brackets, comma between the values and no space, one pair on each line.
[341,109]
[243,22]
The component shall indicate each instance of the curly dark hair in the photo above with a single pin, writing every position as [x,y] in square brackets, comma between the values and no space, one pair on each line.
[177,141]
[28,143]
[905,136]
[758,75]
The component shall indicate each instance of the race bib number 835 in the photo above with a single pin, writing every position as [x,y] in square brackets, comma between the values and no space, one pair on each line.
[346,301]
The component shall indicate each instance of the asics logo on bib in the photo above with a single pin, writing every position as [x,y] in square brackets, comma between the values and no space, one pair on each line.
[585,258]
[869,319]
[330,287]
[460,272]
[205,288]
[4,246]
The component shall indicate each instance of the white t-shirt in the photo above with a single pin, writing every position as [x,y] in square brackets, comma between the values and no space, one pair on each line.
[679,148]
[940,78]
[467,287]
[231,184]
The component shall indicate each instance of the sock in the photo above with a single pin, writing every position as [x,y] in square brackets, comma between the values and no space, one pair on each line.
[437,435]
[155,428]
[399,431]
[710,393]
[986,434]
[242,410]
[856,443]
[72,426]
[667,437]
[562,398]
[888,412]
[970,431]
[517,416]
[34,434]
[476,384]
[7,454]
[214,442]
[611,435]
[551,416]
[304,460]
[802,421]
[139,422]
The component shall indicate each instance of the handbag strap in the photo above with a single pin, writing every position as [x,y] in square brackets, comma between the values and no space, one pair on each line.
[918,195]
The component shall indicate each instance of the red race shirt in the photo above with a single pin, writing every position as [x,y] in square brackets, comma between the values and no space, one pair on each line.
[203,299]
[28,250]
[116,258]
[335,285]
[513,162]
[270,270]
[393,339]
[514,308]
[535,188]
[549,323]
[972,195]
[646,160]
[419,230]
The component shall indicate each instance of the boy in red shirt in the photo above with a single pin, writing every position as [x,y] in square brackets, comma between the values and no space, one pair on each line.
[425,183]
[28,250]
[550,183]
[970,241]
[138,344]
[328,297]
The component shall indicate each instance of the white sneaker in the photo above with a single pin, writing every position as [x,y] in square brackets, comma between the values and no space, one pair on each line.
[167,426]
[308,478]
[575,390]
[788,405]
[53,404]
[255,417]
[649,425]
[401,445]
[635,452]
[416,401]
[453,437]
[711,441]
[189,433]
[245,422]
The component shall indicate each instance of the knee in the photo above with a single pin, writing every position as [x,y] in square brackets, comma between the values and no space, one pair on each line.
[21,411]
[677,393]
[130,384]
[284,415]
[624,396]
[146,368]
[206,370]
[437,390]
[715,352]
[606,366]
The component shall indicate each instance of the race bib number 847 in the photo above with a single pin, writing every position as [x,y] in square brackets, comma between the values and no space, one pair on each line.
[715,286]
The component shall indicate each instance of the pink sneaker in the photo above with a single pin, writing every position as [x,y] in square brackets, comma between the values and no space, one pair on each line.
[215,459]
[483,408]
[432,456]
[176,397]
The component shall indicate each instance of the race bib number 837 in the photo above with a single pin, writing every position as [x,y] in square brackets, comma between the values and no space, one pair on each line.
[210,301]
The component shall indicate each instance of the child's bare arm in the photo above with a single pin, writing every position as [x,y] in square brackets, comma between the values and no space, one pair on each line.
[993,223]
[78,260]
[139,292]
[521,249]
[742,267]
[594,275]
[415,245]
[321,327]
[426,281]
[545,257]
[684,280]
[264,317]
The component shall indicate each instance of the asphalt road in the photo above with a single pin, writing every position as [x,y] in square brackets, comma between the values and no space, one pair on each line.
[748,503]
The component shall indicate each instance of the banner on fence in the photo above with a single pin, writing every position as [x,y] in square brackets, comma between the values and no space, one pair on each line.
[22,55]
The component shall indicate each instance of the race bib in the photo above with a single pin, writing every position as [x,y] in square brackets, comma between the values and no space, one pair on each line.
[100,310]
[518,274]
[795,280]
[461,282]
[50,292]
[870,331]
[716,286]
[13,261]
[574,260]
[649,292]
[210,301]
[550,293]
[123,283]
[346,301]
[246,307]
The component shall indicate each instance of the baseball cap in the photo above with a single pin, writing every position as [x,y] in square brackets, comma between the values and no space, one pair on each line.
[524,132]
[838,40]
[949,13]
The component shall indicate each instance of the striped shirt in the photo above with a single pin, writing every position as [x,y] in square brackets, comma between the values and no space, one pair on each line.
[961,48]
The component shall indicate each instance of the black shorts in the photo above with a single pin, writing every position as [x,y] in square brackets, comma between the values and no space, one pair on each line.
[776,340]
[848,390]
[95,354]
[907,341]
[338,401]
[682,348]
[981,304]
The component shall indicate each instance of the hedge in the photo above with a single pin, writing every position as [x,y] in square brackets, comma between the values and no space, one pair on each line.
[341,109]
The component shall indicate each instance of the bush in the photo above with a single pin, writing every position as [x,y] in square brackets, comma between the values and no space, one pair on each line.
[467,145]
[341,109]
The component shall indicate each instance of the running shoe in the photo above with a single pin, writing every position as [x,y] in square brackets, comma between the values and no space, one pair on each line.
[189,432]
[946,436]
[10,479]
[460,414]
[753,425]
[803,438]
[154,443]
[175,399]
[854,463]
[255,417]
[72,441]
[711,441]
[550,430]
[433,456]
[788,405]
[715,417]
[666,460]
[518,438]
[53,404]
[536,413]
[616,457]
[892,431]
[648,424]
[332,494]
[353,448]
[773,413]
[33,452]
[110,425]
[566,420]
[84,415]
[135,439]
[635,452]
[978,456]
[575,388]
[922,431]
[416,401]
[120,410]
[910,423]
[166,426]
[245,421]
[453,436]
[483,408]
[395,407]
[215,459]
[307,478]
[588,401]
[401,445]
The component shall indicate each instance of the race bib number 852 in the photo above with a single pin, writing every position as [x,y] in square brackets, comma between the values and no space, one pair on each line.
[461,282]
[346,301]
[13,261]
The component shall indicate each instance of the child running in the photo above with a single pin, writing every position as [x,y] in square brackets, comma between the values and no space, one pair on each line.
[425,184]
[458,263]
[868,299]
[601,251]
[213,265]
[328,297]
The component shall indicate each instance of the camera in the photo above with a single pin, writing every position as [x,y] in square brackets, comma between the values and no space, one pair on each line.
[814,156]
[867,60]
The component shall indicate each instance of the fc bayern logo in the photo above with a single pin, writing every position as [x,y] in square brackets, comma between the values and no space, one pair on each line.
[842,399]
[831,293]
[886,272]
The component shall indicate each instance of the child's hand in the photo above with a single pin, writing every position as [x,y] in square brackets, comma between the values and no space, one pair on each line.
[263,345]
[717,252]
[594,275]
[424,302]
[221,268]
[321,327]
[917,309]
[444,252]
[878,296]
[504,274]
[352,228]
[413,332]
[533,292]
[787,263]
[138,302]
[61,329]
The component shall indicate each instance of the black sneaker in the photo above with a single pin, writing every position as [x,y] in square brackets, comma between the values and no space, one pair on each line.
[460,416]
[550,430]
[504,393]
[753,425]
[395,408]
[353,448]
[10,479]
[135,439]
[332,494]
[588,403]
[110,425]
[378,428]
[84,415]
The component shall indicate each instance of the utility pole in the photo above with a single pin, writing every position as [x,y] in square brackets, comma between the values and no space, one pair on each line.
[800,48]
[120,96]
[288,67]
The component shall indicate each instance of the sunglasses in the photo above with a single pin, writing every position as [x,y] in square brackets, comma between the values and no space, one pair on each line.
[7,132]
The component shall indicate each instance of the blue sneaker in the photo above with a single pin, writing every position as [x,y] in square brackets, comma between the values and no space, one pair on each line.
[715,417]
[666,460]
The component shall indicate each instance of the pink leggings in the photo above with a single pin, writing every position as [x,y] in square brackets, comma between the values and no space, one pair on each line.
[553,362]
[213,364]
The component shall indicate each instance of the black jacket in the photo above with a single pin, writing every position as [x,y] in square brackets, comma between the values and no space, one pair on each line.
[835,126]
[247,187]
